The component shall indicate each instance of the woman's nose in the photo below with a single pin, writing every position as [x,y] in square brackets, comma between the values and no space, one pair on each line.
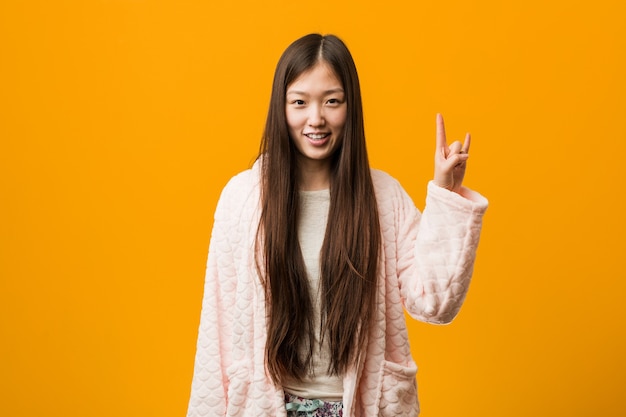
[316,116]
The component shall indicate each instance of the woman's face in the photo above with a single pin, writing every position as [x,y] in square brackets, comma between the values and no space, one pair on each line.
[316,114]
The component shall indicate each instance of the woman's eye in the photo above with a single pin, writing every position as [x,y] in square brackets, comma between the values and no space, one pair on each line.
[299,102]
[334,101]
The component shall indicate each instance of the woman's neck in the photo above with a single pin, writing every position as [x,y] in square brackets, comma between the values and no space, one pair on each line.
[314,175]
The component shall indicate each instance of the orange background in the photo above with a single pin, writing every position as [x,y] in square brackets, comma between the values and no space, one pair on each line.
[120,122]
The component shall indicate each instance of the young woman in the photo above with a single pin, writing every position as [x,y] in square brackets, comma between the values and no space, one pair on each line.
[314,256]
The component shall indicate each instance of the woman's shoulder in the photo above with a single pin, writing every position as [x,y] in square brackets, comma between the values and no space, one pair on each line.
[385,184]
[241,186]
[243,180]
[390,195]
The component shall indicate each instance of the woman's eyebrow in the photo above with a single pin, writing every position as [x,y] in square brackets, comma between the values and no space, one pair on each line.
[303,93]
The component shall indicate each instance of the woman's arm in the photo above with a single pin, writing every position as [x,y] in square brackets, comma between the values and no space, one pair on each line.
[436,249]
[213,355]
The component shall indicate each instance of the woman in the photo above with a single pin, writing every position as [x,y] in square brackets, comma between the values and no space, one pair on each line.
[314,255]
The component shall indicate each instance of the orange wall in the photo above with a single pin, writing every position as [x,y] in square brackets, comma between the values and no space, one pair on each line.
[120,121]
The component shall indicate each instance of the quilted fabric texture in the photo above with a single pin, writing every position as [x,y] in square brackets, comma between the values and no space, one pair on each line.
[425,268]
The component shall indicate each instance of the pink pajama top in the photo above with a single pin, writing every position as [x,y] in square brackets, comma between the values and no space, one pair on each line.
[425,267]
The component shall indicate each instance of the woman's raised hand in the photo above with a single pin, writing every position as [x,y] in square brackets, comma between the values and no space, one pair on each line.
[450,161]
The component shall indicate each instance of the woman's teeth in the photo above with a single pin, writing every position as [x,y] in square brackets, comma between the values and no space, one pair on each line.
[317,136]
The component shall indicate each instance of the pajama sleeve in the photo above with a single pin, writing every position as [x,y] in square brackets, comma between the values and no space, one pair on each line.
[213,355]
[436,251]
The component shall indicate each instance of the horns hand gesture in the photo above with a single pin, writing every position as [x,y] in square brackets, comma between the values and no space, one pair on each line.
[450,161]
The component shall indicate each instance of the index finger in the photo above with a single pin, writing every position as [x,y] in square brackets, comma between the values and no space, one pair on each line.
[441,132]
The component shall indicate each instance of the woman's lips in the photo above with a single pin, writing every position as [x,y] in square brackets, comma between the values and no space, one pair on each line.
[317,139]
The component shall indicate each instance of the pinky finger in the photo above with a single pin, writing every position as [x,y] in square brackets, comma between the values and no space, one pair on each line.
[466,143]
